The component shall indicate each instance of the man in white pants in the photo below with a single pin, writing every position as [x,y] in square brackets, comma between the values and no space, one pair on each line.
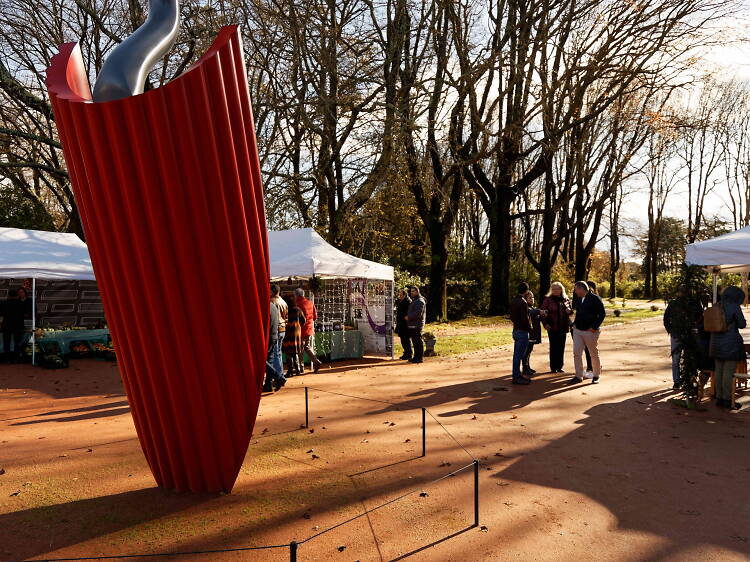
[589,317]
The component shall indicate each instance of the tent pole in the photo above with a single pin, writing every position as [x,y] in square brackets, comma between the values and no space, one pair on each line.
[33,321]
[715,285]
[393,317]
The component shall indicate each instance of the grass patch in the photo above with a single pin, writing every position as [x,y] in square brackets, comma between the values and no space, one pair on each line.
[632,316]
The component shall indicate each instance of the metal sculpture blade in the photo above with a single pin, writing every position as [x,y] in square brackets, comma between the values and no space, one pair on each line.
[125,71]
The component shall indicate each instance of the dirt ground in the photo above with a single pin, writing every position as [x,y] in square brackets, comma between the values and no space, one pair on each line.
[586,472]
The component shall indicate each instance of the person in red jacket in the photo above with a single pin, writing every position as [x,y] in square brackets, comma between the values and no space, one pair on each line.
[308,329]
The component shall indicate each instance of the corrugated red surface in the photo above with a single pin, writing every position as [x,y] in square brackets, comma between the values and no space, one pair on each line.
[168,185]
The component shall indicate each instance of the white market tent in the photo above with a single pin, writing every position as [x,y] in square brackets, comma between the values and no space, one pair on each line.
[728,253]
[37,254]
[302,252]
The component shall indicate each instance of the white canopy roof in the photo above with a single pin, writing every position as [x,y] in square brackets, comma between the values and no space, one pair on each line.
[44,255]
[729,252]
[303,253]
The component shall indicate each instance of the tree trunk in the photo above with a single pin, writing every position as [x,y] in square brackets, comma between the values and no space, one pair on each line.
[500,246]
[437,304]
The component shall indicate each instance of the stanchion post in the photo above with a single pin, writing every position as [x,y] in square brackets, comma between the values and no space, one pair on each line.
[307,409]
[476,493]
[293,547]
[424,432]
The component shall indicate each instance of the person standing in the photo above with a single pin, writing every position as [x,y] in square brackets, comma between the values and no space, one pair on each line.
[292,345]
[681,312]
[589,317]
[274,368]
[558,311]
[416,317]
[402,326]
[727,348]
[589,368]
[13,312]
[308,330]
[519,315]
[535,335]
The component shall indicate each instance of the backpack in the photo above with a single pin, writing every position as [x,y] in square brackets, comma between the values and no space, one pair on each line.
[714,320]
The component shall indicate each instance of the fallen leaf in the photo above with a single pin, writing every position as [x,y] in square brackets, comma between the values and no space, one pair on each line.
[342,548]
[473,417]
[315,457]
[89,450]
[407,441]
[15,493]
[312,431]
[483,528]
[306,515]
[423,494]
[310,451]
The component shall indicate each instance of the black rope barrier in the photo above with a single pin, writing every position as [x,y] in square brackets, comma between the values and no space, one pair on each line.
[293,546]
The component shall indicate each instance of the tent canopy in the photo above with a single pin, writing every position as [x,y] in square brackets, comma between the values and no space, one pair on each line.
[729,253]
[43,255]
[303,253]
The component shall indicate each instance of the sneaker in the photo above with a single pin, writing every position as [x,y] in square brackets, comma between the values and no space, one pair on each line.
[267,387]
[521,381]
[405,358]
[415,360]
[317,367]
[594,380]
[588,375]
[676,386]
[575,380]
[278,384]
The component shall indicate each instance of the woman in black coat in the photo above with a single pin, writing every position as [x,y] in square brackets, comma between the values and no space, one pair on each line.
[402,328]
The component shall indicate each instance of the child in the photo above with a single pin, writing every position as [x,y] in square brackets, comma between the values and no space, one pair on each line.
[292,344]
[535,336]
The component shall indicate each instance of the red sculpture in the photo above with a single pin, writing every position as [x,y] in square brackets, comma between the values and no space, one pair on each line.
[168,186]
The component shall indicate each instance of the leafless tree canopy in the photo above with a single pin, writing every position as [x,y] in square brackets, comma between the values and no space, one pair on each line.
[426,131]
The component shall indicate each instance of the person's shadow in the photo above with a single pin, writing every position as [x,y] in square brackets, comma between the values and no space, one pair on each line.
[658,469]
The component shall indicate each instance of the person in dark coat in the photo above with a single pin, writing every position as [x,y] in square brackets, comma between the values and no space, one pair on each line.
[727,348]
[293,344]
[681,312]
[519,315]
[535,335]
[416,317]
[558,311]
[589,317]
[14,312]
[402,326]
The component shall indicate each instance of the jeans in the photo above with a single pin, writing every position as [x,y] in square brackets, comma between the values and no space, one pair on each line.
[557,340]
[724,377]
[527,357]
[588,340]
[675,349]
[415,334]
[274,368]
[405,338]
[307,347]
[521,342]
[17,338]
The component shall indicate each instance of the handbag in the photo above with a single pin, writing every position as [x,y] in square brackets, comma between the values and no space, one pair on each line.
[715,320]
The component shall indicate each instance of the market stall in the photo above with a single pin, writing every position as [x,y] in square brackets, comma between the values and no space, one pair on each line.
[55,269]
[728,253]
[354,297]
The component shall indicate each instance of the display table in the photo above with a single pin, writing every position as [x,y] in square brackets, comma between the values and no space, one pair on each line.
[64,338]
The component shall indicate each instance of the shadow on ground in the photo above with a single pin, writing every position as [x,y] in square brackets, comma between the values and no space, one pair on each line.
[657,468]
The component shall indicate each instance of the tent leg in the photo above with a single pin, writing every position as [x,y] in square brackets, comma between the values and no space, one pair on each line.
[715,286]
[33,321]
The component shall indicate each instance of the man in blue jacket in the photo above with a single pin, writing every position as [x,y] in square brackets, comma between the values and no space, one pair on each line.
[589,317]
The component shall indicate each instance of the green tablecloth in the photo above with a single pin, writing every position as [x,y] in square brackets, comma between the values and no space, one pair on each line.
[348,344]
[65,337]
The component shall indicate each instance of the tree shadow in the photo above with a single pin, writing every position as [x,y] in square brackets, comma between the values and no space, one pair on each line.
[657,468]
[488,396]
[78,521]
[84,377]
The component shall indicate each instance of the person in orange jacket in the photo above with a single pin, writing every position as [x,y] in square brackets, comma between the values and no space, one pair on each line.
[308,329]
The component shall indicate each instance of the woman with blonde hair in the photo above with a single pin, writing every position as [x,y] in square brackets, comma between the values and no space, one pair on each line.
[557,323]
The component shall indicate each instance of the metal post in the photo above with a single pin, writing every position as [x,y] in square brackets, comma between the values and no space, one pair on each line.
[476,493]
[33,321]
[293,551]
[715,287]
[307,409]
[424,432]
